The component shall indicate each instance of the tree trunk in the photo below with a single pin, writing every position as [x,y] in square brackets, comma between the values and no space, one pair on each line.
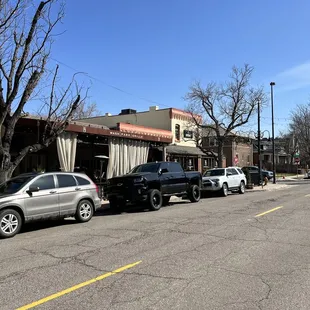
[220,155]
[7,166]
[5,175]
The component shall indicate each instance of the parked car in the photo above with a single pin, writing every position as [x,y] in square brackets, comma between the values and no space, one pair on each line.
[31,197]
[254,169]
[223,180]
[153,184]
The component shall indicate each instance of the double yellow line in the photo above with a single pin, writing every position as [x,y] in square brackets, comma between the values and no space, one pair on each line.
[78,286]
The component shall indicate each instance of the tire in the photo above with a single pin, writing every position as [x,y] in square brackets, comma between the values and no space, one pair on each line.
[224,190]
[84,211]
[242,188]
[10,223]
[194,193]
[166,200]
[155,200]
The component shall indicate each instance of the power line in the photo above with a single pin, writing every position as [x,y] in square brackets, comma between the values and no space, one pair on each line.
[131,94]
[111,86]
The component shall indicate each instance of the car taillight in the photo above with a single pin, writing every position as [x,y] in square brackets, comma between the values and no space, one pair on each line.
[97,189]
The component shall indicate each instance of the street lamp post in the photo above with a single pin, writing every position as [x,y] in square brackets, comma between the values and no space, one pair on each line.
[258,145]
[273,143]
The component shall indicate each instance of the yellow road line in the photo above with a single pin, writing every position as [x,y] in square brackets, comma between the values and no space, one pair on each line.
[78,286]
[274,209]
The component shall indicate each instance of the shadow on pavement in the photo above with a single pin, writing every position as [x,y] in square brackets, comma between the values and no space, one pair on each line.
[106,211]
[34,226]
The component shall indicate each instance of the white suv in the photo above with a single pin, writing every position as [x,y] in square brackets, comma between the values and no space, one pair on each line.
[224,180]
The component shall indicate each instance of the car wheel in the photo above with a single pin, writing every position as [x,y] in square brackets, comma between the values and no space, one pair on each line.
[155,199]
[166,200]
[10,223]
[194,193]
[224,190]
[84,211]
[242,188]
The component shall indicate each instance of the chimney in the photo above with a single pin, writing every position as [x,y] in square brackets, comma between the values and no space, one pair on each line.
[154,108]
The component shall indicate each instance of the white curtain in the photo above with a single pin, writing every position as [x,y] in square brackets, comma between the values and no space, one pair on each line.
[124,154]
[66,149]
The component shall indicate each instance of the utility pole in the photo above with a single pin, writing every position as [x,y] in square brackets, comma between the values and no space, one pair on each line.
[273,142]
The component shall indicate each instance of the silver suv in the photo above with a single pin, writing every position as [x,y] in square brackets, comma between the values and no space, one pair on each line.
[31,197]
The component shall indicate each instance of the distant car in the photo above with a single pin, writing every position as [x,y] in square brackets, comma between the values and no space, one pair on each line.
[254,169]
[32,197]
[223,180]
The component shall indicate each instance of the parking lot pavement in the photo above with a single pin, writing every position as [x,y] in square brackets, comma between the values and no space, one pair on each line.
[247,251]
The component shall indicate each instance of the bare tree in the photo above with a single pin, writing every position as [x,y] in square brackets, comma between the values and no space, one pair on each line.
[223,109]
[300,128]
[85,110]
[289,143]
[26,37]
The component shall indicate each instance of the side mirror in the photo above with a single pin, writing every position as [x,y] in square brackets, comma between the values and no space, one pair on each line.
[33,189]
[161,171]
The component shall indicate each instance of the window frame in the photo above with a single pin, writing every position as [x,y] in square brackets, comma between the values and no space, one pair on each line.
[174,164]
[44,176]
[66,175]
[233,171]
[77,181]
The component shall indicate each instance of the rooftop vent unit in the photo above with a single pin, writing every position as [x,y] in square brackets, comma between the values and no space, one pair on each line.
[128,111]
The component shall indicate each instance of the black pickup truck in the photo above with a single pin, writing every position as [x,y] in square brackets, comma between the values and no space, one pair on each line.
[153,184]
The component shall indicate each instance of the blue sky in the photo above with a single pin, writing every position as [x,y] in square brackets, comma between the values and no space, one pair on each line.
[156,49]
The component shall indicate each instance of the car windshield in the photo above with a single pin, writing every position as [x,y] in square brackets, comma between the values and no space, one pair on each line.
[215,172]
[12,186]
[146,168]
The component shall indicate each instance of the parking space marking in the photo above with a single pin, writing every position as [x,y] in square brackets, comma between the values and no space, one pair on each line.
[78,286]
[307,195]
[269,211]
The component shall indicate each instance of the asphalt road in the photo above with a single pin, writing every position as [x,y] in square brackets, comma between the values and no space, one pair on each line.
[220,253]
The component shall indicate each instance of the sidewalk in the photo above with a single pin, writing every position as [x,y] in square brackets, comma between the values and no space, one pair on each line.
[292,178]
[269,187]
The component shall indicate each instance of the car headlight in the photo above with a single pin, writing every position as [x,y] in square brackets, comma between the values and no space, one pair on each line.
[138,180]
